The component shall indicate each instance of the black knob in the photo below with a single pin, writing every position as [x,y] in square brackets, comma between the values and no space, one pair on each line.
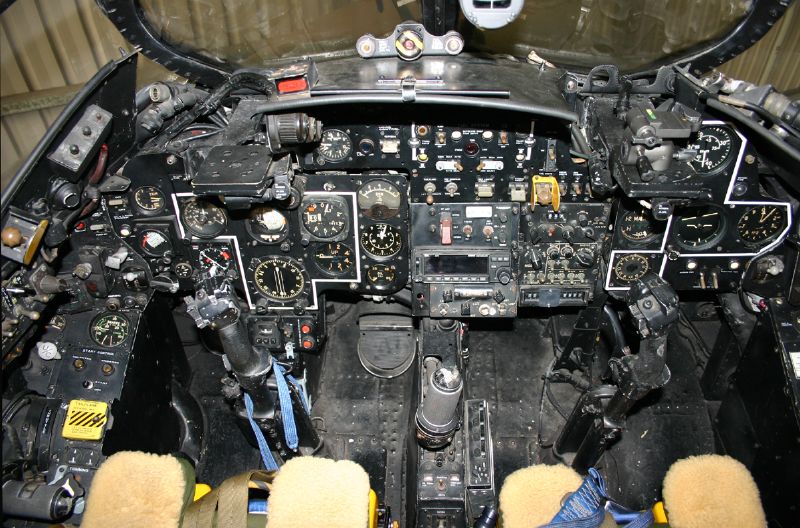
[504,276]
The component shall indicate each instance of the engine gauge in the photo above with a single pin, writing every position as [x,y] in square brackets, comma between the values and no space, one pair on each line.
[325,218]
[714,147]
[381,276]
[640,226]
[278,278]
[267,225]
[154,242]
[149,200]
[382,240]
[379,199]
[110,329]
[217,260]
[334,258]
[699,227]
[335,145]
[203,219]
[631,267]
[761,223]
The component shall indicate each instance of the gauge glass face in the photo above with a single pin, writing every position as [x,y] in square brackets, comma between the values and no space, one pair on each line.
[335,145]
[713,146]
[267,225]
[203,219]
[154,242]
[699,227]
[217,260]
[58,322]
[335,258]
[325,218]
[183,270]
[379,200]
[381,276]
[149,200]
[382,240]
[640,226]
[279,278]
[761,223]
[631,267]
[110,329]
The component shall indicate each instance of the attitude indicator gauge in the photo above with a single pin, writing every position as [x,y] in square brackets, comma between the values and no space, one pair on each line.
[714,147]
[278,278]
[203,219]
[379,200]
[335,145]
[699,227]
[382,240]
[110,329]
[267,225]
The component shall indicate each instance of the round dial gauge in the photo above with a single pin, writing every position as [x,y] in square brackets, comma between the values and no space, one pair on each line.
[278,278]
[335,258]
[379,200]
[381,276]
[325,218]
[216,259]
[154,242]
[761,223]
[640,226]
[699,227]
[110,329]
[183,269]
[267,225]
[631,267]
[203,219]
[713,146]
[335,145]
[149,200]
[382,240]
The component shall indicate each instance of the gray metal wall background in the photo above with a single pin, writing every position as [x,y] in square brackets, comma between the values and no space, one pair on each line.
[48,48]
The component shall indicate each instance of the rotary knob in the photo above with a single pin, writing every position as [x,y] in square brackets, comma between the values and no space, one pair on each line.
[504,276]
[585,257]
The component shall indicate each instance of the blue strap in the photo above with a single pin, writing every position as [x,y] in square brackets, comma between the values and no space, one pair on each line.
[257,506]
[586,508]
[287,412]
[303,395]
[263,447]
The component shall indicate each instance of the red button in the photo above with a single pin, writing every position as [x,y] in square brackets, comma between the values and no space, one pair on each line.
[308,343]
[305,329]
[295,84]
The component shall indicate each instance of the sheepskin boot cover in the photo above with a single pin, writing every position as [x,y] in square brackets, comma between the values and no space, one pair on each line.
[310,491]
[712,490]
[532,496]
[135,489]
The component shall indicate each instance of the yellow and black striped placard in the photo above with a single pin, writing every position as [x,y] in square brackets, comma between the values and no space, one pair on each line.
[86,420]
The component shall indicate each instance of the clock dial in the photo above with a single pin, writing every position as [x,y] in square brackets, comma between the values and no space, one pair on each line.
[335,145]
[382,240]
[761,223]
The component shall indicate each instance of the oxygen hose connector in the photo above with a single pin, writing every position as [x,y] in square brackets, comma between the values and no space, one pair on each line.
[437,416]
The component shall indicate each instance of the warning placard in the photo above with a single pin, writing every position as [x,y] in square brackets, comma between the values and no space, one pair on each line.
[86,420]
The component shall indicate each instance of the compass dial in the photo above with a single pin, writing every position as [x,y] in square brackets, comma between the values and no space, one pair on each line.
[761,223]
[110,329]
[379,200]
[335,145]
[631,267]
[149,200]
[278,278]
[325,218]
[203,219]
[714,147]
[382,240]
[335,258]
[699,227]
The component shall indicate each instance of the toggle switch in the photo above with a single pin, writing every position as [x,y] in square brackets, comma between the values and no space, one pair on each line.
[446,228]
